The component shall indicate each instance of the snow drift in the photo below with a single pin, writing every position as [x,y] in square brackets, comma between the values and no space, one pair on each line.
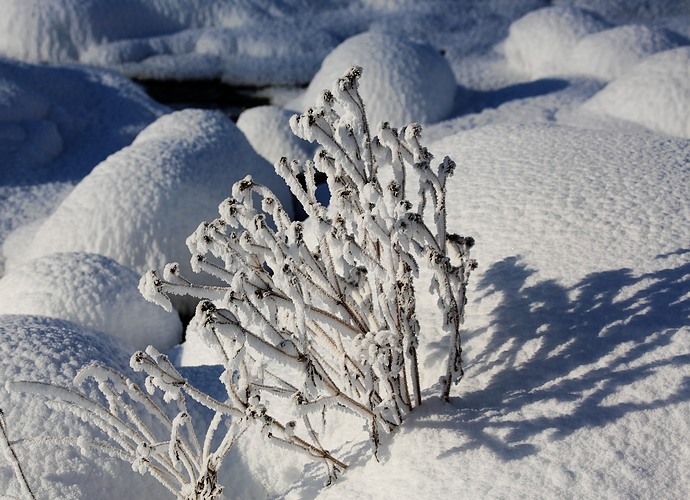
[610,53]
[52,350]
[267,129]
[539,43]
[654,94]
[139,205]
[56,124]
[92,291]
[403,81]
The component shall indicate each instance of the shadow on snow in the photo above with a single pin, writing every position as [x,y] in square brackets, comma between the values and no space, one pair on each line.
[565,350]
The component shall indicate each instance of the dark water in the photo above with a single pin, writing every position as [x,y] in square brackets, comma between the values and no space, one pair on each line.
[205,94]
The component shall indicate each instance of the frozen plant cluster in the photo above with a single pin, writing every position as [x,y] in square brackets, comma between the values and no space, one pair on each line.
[312,325]
[139,427]
[305,326]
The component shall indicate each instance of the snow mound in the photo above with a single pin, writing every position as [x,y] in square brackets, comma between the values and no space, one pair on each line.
[258,42]
[56,124]
[625,10]
[51,350]
[92,291]
[539,44]
[536,191]
[46,111]
[610,53]
[61,30]
[403,81]
[260,52]
[654,94]
[267,129]
[138,206]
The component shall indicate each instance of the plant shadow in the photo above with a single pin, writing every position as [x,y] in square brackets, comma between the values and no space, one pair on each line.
[557,359]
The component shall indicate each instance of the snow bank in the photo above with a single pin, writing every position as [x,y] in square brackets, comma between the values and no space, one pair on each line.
[610,53]
[267,129]
[539,44]
[265,52]
[577,328]
[654,94]
[403,81]
[61,30]
[56,124]
[626,10]
[258,42]
[567,202]
[92,291]
[139,206]
[570,201]
[51,350]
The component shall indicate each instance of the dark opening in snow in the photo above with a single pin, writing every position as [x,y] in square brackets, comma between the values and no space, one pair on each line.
[206,94]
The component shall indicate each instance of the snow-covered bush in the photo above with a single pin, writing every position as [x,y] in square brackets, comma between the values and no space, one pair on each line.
[321,314]
[313,317]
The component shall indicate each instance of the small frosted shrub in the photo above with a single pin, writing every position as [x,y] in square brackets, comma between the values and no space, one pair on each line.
[308,317]
[322,313]
[156,437]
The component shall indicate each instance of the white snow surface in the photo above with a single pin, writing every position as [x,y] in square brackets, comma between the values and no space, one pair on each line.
[267,128]
[573,151]
[253,42]
[138,206]
[56,124]
[92,291]
[539,44]
[52,350]
[610,53]
[654,94]
[405,82]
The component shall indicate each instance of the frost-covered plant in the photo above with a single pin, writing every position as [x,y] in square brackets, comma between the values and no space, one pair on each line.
[322,313]
[8,451]
[156,437]
[308,317]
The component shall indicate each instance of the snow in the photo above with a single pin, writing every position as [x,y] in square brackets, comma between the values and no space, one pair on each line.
[267,128]
[610,53]
[52,350]
[654,94]
[140,204]
[405,81]
[92,291]
[56,124]
[621,11]
[569,126]
[539,44]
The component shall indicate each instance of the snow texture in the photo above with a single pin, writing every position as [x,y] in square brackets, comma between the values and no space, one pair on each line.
[56,124]
[405,82]
[267,129]
[626,10]
[139,205]
[654,94]
[92,291]
[610,53]
[539,44]
[52,350]
[578,326]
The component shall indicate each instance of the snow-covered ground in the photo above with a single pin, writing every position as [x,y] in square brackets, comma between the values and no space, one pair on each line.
[570,125]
